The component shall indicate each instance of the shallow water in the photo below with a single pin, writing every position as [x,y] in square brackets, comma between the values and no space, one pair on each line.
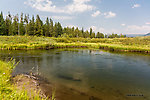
[97,74]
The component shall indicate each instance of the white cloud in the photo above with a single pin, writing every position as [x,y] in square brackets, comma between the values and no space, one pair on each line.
[136,6]
[94,28]
[138,29]
[123,24]
[96,13]
[70,26]
[97,29]
[78,6]
[47,5]
[62,17]
[109,14]
[147,23]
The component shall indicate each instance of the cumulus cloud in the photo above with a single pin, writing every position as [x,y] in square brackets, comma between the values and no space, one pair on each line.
[136,6]
[79,6]
[147,23]
[123,24]
[96,13]
[138,29]
[47,5]
[98,29]
[109,14]
[62,17]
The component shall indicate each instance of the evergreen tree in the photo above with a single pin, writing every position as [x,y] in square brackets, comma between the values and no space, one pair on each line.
[8,23]
[91,31]
[106,36]
[98,35]
[54,34]
[59,29]
[38,26]
[73,32]
[77,32]
[47,27]
[21,26]
[31,27]
[26,20]
[87,35]
[15,25]
[2,25]
[101,35]
[51,28]
[92,35]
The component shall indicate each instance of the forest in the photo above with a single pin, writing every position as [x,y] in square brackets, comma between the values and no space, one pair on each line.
[22,25]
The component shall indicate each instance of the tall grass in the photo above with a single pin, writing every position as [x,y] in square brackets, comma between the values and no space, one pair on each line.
[7,90]
[137,44]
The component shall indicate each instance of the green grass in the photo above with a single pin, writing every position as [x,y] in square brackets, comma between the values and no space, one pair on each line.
[137,44]
[7,90]
[24,42]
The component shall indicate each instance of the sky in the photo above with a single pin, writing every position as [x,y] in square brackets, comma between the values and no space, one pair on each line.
[106,16]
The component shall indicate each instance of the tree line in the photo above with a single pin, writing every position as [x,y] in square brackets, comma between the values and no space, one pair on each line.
[13,25]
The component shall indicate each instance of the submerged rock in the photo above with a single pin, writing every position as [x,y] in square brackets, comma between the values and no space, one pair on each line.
[68,78]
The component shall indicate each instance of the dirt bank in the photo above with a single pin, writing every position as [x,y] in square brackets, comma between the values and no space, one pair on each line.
[45,89]
[33,85]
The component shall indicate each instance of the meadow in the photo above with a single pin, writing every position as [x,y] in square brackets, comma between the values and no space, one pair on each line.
[8,90]
[136,44]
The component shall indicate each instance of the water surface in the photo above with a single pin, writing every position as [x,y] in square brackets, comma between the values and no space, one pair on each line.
[94,73]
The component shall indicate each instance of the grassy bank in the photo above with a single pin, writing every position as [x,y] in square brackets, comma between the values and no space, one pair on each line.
[137,44]
[7,90]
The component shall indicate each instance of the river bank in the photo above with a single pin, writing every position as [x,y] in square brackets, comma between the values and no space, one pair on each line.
[19,87]
[138,44]
[34,87]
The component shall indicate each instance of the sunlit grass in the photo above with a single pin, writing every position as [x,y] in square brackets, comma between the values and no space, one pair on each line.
[137,44]
[7,90]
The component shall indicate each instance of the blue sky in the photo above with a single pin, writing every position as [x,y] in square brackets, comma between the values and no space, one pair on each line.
[107,16]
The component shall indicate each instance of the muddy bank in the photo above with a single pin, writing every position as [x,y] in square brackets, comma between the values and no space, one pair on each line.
[35,84]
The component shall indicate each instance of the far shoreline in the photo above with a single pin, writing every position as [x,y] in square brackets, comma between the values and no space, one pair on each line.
[46,43]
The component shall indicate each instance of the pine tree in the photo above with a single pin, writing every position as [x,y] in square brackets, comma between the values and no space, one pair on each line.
[21,26]
[26,20]
[92,35]
[77,32]
[106,36]
[55,30]
[91,31]
[38,26]
[15,25]
[59,29]
[82,31]
[73,32]
[2,25]
[98,35]
[101,35]
[47,27]
[8,23]
[51,28]
[31,27]
[87,35]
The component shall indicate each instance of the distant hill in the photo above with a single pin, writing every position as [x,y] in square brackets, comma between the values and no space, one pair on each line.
[148,34]
[133,35]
